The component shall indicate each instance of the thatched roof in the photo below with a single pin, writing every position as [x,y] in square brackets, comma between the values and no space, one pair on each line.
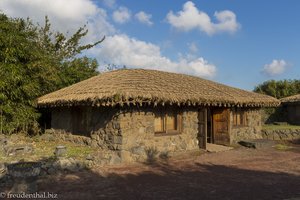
[140,86]
[291,99]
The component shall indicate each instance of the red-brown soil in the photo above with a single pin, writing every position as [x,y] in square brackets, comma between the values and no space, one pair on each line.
[236,174]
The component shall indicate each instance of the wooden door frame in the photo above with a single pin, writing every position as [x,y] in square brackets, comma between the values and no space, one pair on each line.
[204,122]
[211,125]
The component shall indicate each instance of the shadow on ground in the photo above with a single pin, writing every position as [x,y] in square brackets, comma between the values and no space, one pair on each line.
[162,181]
[186,179]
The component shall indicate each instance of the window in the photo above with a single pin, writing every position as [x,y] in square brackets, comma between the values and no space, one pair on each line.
[239,117]
[168,123]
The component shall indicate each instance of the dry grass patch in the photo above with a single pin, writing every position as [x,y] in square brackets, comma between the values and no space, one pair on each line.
[282,147]
[44,149]
[279,127]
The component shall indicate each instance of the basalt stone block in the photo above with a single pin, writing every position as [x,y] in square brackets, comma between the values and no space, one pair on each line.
[60,151]
[88,141]
[2,170]
[119,132]
[17,150]
[126,156]
[3,142]
[116,125]
[183,145]
[138,150]
[117,140]
[95,136]
[115,147]
[115,159]
[247,144]
[69,164]
[94,143]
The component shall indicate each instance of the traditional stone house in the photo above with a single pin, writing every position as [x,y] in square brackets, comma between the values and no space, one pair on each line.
[291,109]
[132,111]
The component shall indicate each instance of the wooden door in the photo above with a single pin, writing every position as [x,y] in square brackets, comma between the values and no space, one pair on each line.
[202,121]
[79,121]
[221,126]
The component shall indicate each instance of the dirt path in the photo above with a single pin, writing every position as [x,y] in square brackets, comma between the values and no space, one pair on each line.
[236,174]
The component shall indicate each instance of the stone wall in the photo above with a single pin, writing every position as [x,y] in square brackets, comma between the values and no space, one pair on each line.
[127,132]
[100,124]
[281,134]
[252,129]
[140,142]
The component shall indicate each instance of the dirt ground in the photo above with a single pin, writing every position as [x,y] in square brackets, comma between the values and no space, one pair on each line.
[242,173]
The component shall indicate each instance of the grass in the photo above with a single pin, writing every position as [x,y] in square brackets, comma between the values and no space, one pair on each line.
[282,147]
[279,127]
[45,149]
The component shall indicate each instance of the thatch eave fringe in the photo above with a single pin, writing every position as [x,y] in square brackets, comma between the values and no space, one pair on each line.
[154,103]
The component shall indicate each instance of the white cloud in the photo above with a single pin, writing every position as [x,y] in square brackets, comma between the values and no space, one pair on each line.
[118,49]
[122,15]
[193,47]
[191,18]
[65,16]
[144,18]
[123,50]
[276,67]
[110,3]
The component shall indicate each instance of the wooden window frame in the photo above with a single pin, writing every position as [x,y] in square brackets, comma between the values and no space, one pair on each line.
[243,119]
[164,122]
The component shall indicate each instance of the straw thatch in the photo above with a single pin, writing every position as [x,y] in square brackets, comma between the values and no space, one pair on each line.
[151,87]
[291,99]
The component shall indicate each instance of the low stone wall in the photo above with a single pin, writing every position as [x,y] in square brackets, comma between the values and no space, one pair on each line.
[62,135]
[281,134]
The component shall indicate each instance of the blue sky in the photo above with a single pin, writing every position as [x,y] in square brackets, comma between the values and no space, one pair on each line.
[238,43]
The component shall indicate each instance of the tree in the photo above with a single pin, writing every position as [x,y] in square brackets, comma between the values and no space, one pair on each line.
[62,56]
[35,61]
[18,53]
[77,70]
[279,89]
